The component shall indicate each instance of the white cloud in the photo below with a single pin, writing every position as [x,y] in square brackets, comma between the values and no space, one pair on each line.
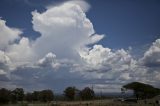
[64,30]
[82,3]
[108,65]
[125,76]
[7,35]
[20,53]
[2,72]
[14,50]
[5,62]
[103,59]
[49,61]
[4,58]
[152,55]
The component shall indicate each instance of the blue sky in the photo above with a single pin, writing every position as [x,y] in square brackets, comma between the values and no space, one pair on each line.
[127,22]
[115,39]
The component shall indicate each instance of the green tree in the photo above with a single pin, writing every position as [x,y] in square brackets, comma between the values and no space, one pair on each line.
[70,92]
[87,94]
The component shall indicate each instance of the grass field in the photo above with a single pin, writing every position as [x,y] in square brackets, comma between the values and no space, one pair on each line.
[108,102]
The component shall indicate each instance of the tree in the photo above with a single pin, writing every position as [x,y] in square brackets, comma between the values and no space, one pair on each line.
[70,92]
[87,94]
[29,97]
[35,95]
[141,90]
[4,95]
[46,95]
[19,94]
[13,97]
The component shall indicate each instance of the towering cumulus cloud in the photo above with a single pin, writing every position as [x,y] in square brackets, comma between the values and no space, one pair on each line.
[64,29]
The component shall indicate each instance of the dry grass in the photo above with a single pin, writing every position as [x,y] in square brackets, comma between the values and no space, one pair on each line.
[87,103]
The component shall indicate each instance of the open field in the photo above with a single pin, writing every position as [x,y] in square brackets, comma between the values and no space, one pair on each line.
[108,102]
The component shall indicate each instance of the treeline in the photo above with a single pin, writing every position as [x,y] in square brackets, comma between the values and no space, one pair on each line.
[19,95]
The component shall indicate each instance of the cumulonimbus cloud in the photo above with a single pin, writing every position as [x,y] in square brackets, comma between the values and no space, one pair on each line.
[64,30]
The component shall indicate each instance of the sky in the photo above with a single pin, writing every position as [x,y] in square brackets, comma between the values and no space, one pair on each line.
[54,44]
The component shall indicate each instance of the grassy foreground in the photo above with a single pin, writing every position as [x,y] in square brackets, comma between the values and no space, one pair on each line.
[108,102]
